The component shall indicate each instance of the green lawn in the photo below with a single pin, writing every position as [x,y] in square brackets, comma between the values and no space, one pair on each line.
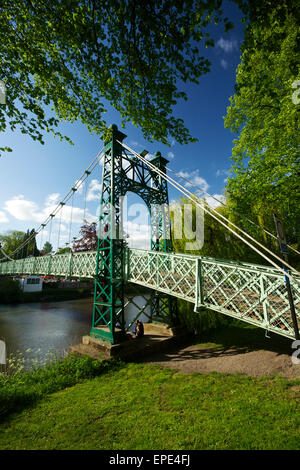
[147,407]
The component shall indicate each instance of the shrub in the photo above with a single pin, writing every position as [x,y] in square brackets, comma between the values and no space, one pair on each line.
[201,321]
[23,388]
[10,290]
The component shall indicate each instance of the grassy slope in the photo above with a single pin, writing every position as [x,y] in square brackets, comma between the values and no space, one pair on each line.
[147,407]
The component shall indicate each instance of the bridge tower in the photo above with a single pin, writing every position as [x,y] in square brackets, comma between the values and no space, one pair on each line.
[123,172]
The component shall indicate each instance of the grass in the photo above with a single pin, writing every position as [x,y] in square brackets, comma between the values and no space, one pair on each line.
[142,406]
[21,388]
[80,403]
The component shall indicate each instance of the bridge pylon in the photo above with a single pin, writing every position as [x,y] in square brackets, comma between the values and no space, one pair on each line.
[124,172]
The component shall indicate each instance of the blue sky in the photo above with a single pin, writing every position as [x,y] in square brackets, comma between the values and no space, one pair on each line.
[34,178]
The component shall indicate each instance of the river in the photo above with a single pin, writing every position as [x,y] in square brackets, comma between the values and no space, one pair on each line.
[51,326]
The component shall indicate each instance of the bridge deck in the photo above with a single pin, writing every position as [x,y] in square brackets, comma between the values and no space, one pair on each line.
[253,293]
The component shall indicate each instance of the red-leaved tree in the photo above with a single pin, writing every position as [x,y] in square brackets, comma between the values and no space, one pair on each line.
[88,240]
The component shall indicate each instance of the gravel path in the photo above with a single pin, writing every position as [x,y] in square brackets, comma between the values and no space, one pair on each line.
[194,358]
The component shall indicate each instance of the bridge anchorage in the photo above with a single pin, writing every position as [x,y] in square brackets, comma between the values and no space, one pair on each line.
[252,293]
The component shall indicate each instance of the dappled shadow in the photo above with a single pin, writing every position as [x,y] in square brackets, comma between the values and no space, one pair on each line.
[235,349]
[240,335]
[186,353]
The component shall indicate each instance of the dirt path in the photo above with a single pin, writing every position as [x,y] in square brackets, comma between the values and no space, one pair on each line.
[194,358]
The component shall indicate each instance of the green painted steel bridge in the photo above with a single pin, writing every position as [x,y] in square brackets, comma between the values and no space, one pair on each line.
[255,294]
[252,293]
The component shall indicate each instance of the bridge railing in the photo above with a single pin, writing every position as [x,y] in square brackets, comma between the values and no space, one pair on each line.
[68,264]
[254,293]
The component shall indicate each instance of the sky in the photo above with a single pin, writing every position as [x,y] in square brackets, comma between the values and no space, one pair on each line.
[35,178]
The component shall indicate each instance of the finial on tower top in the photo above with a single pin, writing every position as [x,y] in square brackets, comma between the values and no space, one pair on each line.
[113,133]
[159,160]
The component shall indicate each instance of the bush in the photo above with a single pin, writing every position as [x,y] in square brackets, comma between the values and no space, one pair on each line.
[10,290]
[201,321]
[24,388]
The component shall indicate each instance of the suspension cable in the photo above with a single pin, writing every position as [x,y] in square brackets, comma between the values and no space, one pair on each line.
[85,194]
[79,182]
[230,208]
[190,196]
[60,215]
[50,228]
[42,233]
[246,234]
[4,254]
[73,189]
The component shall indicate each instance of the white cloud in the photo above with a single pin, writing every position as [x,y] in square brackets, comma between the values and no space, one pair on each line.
[52,199]
[173,143]
[171,155]
[222,172]
[227,45]
[224,63]
[79,188]
[94,191]
[134,143]
[22,209]
[3,217]
[213,202]
[195,179]
[139,235]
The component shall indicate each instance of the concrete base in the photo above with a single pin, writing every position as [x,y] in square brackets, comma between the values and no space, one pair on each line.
[156,338]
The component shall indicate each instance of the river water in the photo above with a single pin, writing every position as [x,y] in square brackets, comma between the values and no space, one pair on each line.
[51,326]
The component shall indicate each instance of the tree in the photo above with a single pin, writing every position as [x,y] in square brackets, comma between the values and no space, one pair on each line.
[30,248]
[47,249]
[218,242]
[88,240]
[11,240]
[62,251]
[264,112]
[77,56]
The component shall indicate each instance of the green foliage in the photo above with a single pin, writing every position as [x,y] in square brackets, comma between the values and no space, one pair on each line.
[202,321]
[78,56]
[10,291]
[25,388]
[266,171]
[64,250]
[11,240]
[219,242]
[47,248]
[30,248]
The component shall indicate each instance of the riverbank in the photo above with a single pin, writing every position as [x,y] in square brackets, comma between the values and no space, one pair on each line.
[11,292]
[55,295]
[181,411]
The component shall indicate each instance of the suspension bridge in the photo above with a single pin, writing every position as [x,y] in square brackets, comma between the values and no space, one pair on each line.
[256,294]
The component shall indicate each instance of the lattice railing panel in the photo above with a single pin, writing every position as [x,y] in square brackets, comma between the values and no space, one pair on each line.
[254,293]
[166,272]
[83,264]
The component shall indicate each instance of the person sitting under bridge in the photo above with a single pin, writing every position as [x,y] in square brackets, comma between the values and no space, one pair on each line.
[138,331]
